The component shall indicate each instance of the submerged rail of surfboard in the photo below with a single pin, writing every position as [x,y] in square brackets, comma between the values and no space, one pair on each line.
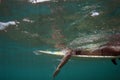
[61,53]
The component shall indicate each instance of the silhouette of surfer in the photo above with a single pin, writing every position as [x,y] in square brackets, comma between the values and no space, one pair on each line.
[109,49]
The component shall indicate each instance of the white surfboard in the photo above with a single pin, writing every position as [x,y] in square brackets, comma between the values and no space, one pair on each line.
[61,53]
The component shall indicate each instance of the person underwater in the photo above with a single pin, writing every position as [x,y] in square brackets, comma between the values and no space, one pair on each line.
[109,49]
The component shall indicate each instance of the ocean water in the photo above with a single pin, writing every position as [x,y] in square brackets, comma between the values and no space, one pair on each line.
[50,26]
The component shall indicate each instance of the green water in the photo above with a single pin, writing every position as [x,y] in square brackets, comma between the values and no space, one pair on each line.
[69,22]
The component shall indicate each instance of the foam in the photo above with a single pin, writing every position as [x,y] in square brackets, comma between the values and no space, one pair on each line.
[4,25]
[36,52]
[38,1]
[94,13]
[28,20]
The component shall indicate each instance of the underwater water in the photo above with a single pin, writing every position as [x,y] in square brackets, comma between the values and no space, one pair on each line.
[26,27]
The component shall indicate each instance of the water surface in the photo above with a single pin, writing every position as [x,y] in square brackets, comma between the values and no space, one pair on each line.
[47,26]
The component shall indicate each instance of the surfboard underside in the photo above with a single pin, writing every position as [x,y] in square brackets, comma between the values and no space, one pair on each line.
[60,53]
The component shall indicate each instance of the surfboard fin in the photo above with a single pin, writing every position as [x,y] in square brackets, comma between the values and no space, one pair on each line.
[114,61]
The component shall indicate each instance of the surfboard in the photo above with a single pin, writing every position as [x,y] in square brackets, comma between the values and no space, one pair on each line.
[62,53]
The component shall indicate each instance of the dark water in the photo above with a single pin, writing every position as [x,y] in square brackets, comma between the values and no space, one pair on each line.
[50,24]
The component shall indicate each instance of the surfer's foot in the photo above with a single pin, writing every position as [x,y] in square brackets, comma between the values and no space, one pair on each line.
[114,61]
[56,72]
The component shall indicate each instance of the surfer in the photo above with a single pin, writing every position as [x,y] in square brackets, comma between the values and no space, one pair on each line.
[111,49]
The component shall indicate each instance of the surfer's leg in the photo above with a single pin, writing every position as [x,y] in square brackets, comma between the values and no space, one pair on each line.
[114,61]
[56,72]
[63,62]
